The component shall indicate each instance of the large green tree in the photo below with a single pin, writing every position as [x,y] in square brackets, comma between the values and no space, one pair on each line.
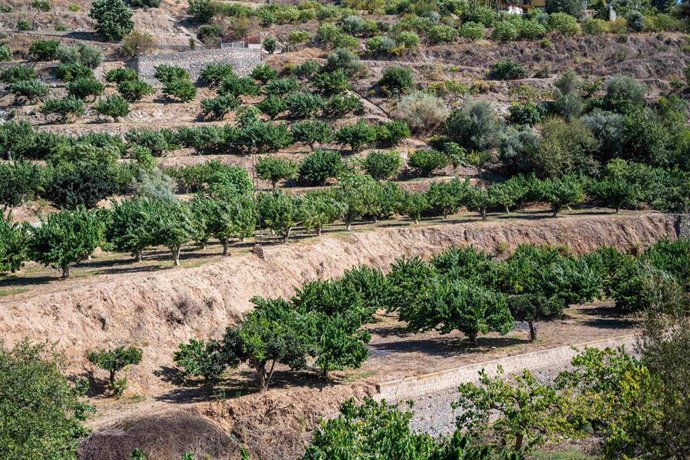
[14,238]
[113,19]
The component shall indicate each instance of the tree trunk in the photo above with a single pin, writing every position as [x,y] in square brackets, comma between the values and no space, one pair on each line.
[287,235]
[532,331]
[111,377]
[226,247]
[65,271]
[176,255]
[507,210]
[555,211]
[473,338]
[618,209]
[139,255]
[274,183]
[416,221]
[483,213]
[319,230]
[261,374]
[349,225]
[518,441]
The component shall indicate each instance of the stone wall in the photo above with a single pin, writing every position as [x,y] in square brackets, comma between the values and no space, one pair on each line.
[684,226]
[243,60]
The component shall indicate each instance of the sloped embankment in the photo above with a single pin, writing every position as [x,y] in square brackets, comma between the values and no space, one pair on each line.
[159,310]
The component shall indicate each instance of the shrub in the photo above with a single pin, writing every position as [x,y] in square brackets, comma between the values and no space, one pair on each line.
[356,135]
[166,73]
[134,90]
[5,53]
[238,86]
[425,162]
[84,88]
[382,165]
[505,31]
[479,14]
[41,5]
[303,105]
[114,106]
[209,34]
[526,114]
[263,73]
[624,93]
[213,74]
[270,44]
[396,80]
[21,180]
[113,19]
[181,90]
[507,69]
[594,26]
[114,361]
[44,50]
[14,239]
[560,193]
[344,60]
[64,108]
[571,7]
[422,112]
[474,126]
[81,184]
[320,166]
[201,10]
[136,43]
[442,34]
[472,30]
[54,426]
[121,74]
[299,36]
[564,23]
[339,106]
[201,359]
[272,106]
[311,132]
[24,25]
[275,169]
[17,73]
[216,108]
[70,72]
[85,55]
[29,91]
[389,134]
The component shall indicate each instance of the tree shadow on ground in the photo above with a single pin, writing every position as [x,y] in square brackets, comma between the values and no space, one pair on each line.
[605,317]
[445,346]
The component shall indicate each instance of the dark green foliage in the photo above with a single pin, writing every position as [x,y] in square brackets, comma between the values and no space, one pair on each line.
[85,88]
[339,106]
[275,169]
[303,105]
[14,239]
[317,209]
[571,7]
[180,90]
[113,361]
[114,106]
[278,212]
[158,142]
[263,137]
[174,227]
[356,135]
[311,132]
[270,45]
[425,162]
[113,19]
[201,10]
[29,91]
[238,86]
[86,55]
[272,106]
[64,108]
[382,165]
[281,86]
[206,176]
[81,184]
[396,80]
[213,74]
[560,193]
[414,205]
[616,193]
[17,73]
[168,73]
[331,83]
[65,238]
[130,225]
[216,108]
[320,166]
[70,72]
[446,197]
[225,214]
[263,73]
[624,94]
[526,114]
[134,90]
[31,377]
[390,133]
[44,50]
[5,53]
[201,359]
[20,181]
[507,70]
[121,74]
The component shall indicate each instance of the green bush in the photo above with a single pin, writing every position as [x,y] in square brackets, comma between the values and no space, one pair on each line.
[166,73]
[320,166]
[505,31]
[85,88]
[263,73]
[331,83]
[24,25]
[442,34]
[564,23]
[201,10]
[238,86]
[85,55]
[70,72]
[134,90]
[213,74]
[41,5]
[114,361]
[5,53]
[474,126]
[270,44]
[479,14]
[472,30]
[44,50]
[382,165]
[390,133]
[113,19]
[54,426]
[29,91]
[303,105]
[311,132]
[507,69]
[64,108]
[17,73]
[571,7]
[181,90]
[339,106]
[216,108]
[356,135]
[275,169]
[526,114]
[121,74]
[425,162]
[114,106]
[396,80]
[594,26]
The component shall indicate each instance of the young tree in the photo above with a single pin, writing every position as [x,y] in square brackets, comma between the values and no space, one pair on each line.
[174,226]
[278,212]
[396,80]
[114,106]
[272,106]
[134,90]
[446,197]
[616,192]
[414,205]
[275,169]
[113,19]
[406,281]
[507,194]
[85,88]
[382,165]
[311,132]
[65,108]
[14,240]
[29,91]
[356,135]
[130,226]
[425,162]
[180,90]
[114,361]
[66,237]
[318,209]
[534,307]
[227,215]
[21,181]
[560,193]
[478,199]
[320,166]
[200,358]
[43,411]
[216,108]
[360,195]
